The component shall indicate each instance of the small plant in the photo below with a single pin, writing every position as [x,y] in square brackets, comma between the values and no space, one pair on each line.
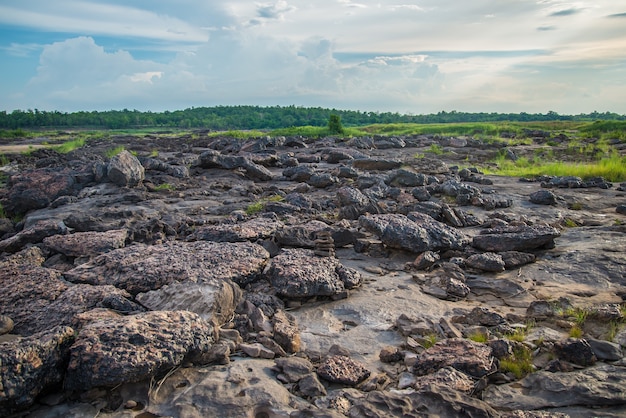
[435,149]
[614,327]
[334,125]
[578,314]
[576,206]
[570,223]
[430,340]
[519,364]
[69,146]
[479,337]
[2,212]
[113,152]
[259,205]
[154,153]
[576,332]
[164,186]
[4,160]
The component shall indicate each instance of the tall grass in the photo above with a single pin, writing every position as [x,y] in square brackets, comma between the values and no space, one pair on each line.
[69,146]
[612,168]
[316,132]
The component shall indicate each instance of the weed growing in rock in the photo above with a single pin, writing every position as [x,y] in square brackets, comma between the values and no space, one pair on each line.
[4,160]
[70,146]
[113,152]
[519,364]
[430,340]
[570,223]
[479,337]
[164,186]
[256,207]
[2,212]
[576,332]
[435,149]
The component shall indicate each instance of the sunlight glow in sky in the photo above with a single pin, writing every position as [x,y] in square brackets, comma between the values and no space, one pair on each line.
[407,56]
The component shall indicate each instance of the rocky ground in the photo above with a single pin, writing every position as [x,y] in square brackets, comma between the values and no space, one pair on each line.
[290,277]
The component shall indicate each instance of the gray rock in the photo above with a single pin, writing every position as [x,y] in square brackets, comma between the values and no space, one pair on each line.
[484,316]
[544,197]
[486,262]
[158,265]
[515,259]
[446,288]
[466,356]
[133,348]
[322,180]
[214,299]
[403,177]
[311,387]
[577,351]
[621,209]
[430,401]
[294,368]
[6,324]
[375,164]
[286,331]
[448,377]
[516,238]
[36,189]
[256,350]
[31,365]
[87,244]
[32,235]
[251,230]
[342,369]
[602,385]
[125,170]
[416,232]
[297,273]
[425,260]
[605,350]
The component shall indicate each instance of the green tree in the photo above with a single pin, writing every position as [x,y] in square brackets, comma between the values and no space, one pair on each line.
[334,124]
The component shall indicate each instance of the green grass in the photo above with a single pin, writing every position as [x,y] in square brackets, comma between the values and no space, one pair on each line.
[570,223]
[479,337]
[576,332]
[258,206]
[612,168]
[519,364]
[238,134]
[2,212]
[430,340]
[435,149]
[4,160]
[69,146]
[317,132]
[114,151]
[164,186]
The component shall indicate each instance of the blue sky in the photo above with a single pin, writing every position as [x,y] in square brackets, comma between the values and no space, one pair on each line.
[405,56]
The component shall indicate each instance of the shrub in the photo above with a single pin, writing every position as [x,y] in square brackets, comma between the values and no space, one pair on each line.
[519,364]
[334,125]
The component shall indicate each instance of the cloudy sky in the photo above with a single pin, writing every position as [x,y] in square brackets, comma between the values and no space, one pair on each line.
[403,56]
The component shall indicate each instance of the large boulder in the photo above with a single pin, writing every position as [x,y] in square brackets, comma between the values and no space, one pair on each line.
[252,230]
[36,189]
[415,232]
[125,170]
[30,365]
[298,273]
[131,348]
[602,385]
[516,238]
[141,268]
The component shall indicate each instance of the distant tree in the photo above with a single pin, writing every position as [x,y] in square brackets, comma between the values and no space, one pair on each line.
[334,124]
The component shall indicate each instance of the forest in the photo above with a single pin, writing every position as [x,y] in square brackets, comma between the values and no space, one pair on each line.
[258,117]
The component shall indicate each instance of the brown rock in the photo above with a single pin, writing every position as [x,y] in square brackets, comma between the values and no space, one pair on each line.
[342,369]
[466,356]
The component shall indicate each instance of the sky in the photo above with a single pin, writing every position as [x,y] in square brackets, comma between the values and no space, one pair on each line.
[411,57]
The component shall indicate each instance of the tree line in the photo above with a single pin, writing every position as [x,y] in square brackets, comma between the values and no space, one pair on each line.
[259,117]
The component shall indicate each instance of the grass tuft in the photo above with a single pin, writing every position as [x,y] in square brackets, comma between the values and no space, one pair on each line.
[519,364]
[69,146]
[113,152]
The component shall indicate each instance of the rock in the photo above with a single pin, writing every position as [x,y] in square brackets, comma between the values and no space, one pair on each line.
[174,261]
[430,401]
[375,164]
[516,238]
[416,233]
[322,180]
[87,244]
[342,369]
[294,369]
[6,324]
[405,178]
[575,351]
[425,260]
[297,273]
[390,355]
[515,259]
[448,377]
[602,385]
[605,350]
[32,365]
[303,235]
[36,189]
[486,262]
[543,197]
[133,348]
[621,209]
[484,316]
[501,348]
[214,299]
[446,287]
[353,203]
[32,235]
[256,350]
[311,387]
[466,356]
[125,170]
[324,244]
[251,230]
[286,332]
[213,159]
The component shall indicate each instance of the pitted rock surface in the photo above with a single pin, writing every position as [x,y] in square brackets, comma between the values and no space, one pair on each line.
[158,265]
[342,369]
[132,348]
[466,356]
